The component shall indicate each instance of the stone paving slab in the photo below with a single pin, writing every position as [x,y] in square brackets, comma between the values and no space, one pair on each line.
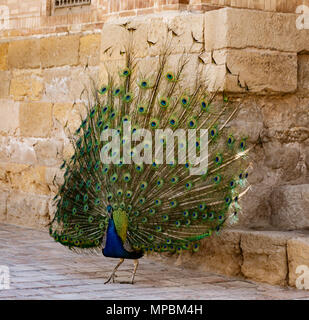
[43,269]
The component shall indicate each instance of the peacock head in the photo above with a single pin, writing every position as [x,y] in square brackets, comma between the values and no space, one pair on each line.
[109,209]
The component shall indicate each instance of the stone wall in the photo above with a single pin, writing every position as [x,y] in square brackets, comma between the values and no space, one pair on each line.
[40,100]
[257,56]
[30,17]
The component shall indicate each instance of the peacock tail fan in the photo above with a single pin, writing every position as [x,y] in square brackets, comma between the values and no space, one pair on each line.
[154,173]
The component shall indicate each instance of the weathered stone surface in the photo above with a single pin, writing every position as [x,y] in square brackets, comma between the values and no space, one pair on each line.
[261,71]
[240,28]
[20,150]
[251,70]
[3,200]
[68,84]
[4,55]
[290,207]
[187,32]
[54,178]
[220,253]
[48,152]
[35,119]
[27,210]
[113,41]
[303,71]
[286,118]
[69,115]
[5,77]
[59,51]
[298,257]
[25,178]
[9,117]
[57,84]
[26,85]
[265,256]
[89,51]
[24,54]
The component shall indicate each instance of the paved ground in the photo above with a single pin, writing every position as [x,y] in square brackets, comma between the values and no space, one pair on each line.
[42,269]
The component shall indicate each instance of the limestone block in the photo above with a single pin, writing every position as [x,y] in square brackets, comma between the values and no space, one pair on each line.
[3,201]
[28,210]
[219,253]
[286,119]
[89,51]
[26,85]
[68,84]
[57,84]
[261,71]
[251,70]
[48,152]
[24,54]
[54,178]
[9,117]
[69,115]
[82,83]
[265,256]
[187,32]
[249,121]
[25,178]
[4,152]
[241,28]
[303,71]
[5,78]
[298,257]
[148,38]
[20,150]
[35,119]
[113,41]
[290,207]
[4,55]
[255,207]
[59,51]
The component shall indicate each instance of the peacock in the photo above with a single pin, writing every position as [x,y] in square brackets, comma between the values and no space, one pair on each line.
[135,184]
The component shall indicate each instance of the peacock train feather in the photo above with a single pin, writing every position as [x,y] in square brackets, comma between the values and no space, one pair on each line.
[150,207]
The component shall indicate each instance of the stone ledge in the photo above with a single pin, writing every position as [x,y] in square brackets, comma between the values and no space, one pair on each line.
[252,70]
[263,256]
[242,28]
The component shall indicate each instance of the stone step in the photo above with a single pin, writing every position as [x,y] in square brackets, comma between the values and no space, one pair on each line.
[273,257]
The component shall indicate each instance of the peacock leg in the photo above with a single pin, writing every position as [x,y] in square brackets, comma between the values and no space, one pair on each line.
[134,271]
[112,276]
